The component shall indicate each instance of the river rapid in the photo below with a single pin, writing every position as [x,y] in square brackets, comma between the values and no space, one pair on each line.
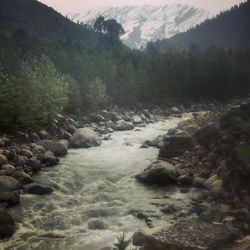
[97,183]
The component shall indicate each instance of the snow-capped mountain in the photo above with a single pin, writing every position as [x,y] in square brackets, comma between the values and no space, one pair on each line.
[147,23]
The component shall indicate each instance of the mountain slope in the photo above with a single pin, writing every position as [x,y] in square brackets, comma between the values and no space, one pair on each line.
[147,23]
[38,21]
[229,30]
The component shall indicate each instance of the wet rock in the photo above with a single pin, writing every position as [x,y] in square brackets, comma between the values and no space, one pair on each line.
[7,226]
[175,146]
[49,159]
[8,183]
[84,138]
[11,198]
[35,188]
[9,169]
[66,135]
[137,119]
[189,234]
[159,173]
[97,118]
[157,142]
[175,110]
[169,209]
[97,225]
[122,125]
[207,135]
[34,163]
[22,177]
[3,160]
[127,118]
[58,148]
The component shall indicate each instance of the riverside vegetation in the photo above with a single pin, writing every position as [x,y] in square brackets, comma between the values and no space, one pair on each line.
[85,74]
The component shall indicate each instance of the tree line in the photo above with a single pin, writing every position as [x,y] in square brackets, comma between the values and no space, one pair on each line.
[36,82]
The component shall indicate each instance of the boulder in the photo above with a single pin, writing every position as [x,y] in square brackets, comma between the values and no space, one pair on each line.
[8,169]
[49,159]
[35,188]
[199,182]
[97,118]
[58,148]
[97,224]
[8,183]
[207,135]
[11,198]
[175,110]
[214,184]
[26,153]
[139,238]
[160,173]
[22,177]
[34,163]
[185,180]
[43,134]
[175,146]
[3,160]
[7,226]
[84,138]
[189,235]
[122,125]
[137,119]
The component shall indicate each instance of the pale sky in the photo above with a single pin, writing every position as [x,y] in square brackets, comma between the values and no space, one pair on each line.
[75,6]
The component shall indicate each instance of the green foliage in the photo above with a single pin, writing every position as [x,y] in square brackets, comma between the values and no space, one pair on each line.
[97,93]
[33,96]
[122,243]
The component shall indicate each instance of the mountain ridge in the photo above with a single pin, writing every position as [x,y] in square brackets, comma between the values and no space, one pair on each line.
[147,22]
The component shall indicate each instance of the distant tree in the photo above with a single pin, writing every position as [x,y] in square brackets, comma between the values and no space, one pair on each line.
[99,24]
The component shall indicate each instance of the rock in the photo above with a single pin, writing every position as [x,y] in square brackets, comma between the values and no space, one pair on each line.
[157,142]
[121,125]
[97,118]
[191,235]
[3,160]
[84,138]
[97,225]
[7,226]
[139,238]
[34,163]
[127,118]
[8,183]
[38,189]
[58,148]
[8,169]
[159,173]
[175,146]
[207,135]
[137,119]
[26,153]
[175,110]
[66,135]
[199,182]
[185,180]
[22,177]
[242,152]
[214,184]
[49,159]
[43,134]
[11,198]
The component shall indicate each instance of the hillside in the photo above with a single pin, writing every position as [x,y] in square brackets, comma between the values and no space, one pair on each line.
[30,18]
[147,23]
[229,30]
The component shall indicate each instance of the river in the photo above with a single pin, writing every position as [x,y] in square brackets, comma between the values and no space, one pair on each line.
[96,182]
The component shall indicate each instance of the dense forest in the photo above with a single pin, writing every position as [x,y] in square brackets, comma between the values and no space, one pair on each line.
[62,66]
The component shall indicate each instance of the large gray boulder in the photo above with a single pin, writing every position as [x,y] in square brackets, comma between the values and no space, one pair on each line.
[7,226]
[158,173]
[190,235]
[175,146]
[122,125]
[11,198]
[8,183]
[84,138]
[58,148]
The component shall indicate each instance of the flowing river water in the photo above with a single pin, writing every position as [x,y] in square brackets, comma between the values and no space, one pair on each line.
[96,183]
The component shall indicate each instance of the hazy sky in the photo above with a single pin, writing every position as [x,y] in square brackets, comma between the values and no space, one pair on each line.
[66,6]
